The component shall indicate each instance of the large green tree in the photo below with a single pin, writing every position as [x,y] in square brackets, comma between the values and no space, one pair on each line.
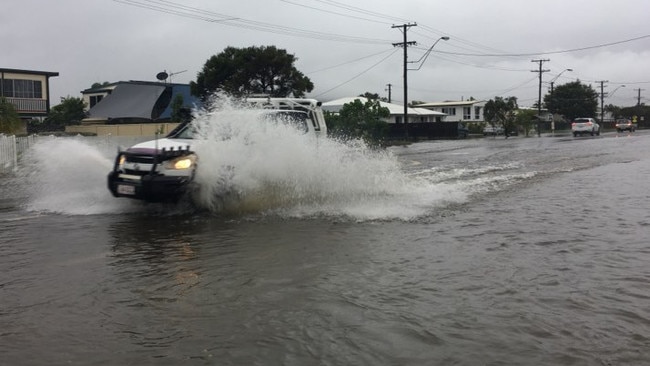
[572,100]
[252,70]
[359,120]
[9,118]
[501,112]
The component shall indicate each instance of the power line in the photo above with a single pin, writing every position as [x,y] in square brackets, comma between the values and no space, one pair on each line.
[545,53]
[333,12]
[172,8]
[349,62]
[356,76]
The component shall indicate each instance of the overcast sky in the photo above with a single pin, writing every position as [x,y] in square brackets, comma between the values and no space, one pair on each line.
[345,50]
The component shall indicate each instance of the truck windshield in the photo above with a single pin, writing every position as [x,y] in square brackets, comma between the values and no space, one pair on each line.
[296,119]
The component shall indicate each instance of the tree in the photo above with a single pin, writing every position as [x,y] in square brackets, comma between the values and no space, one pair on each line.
[614,110]
[359,120]
[252,70]
[500,111]
[179,113]
[99,85]
[9,118]
[572,100]
[524,118]
[641,112]
[69,112]
[373,96]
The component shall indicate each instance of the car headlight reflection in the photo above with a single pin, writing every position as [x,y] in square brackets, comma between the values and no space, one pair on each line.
[181,163]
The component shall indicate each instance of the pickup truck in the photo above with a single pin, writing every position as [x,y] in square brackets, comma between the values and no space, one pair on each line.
[163,170]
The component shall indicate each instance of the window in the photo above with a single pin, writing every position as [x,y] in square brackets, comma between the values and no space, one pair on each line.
[28,89]
[467,112]
[477,112]
[449,111]
[94,99]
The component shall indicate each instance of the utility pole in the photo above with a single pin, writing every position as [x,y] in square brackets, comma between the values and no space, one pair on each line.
[389,91]
[405,44]
[602,98]
[539,92]
[638,98]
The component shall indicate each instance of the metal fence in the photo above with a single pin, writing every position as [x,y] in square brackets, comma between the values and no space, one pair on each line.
[11,147]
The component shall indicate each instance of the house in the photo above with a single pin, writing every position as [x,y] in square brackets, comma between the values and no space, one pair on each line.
[135,102]
[460,111]
[28,91]
[396,111]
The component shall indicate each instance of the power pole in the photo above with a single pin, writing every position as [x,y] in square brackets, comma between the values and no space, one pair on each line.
[602,98]
[539,92]
[638,98]
[389,91]
[405,44]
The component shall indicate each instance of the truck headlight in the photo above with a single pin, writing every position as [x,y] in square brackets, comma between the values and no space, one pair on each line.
[181,163]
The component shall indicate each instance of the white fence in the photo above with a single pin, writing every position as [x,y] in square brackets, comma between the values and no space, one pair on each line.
[11,147]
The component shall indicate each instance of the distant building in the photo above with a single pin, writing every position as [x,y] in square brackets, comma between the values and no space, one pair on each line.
[396,111]
[135,102]
[28,91]
[460,111]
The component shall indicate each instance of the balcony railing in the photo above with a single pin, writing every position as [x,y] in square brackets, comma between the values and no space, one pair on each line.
[24,105]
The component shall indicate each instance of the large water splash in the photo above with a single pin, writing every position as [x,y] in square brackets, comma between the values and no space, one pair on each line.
[246,166]
[67,175]
[270,167]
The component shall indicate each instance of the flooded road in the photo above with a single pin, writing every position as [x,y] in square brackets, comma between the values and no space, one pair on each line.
[526,251]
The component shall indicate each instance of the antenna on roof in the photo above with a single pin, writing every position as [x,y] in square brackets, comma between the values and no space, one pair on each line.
[162,76]
[174,73]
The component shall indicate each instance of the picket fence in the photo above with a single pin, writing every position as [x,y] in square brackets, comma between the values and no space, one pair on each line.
[11,147]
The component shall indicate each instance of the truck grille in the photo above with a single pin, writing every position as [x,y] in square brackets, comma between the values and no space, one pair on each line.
[141,159]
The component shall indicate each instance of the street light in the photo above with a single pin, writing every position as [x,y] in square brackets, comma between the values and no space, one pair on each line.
[612,93]
[555,78]
[549,109]
[406,62]
[426,55]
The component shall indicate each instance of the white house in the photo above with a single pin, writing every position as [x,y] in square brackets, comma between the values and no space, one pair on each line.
[458,111]
[396,111]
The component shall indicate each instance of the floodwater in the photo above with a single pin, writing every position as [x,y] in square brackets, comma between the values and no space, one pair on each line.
[525,251]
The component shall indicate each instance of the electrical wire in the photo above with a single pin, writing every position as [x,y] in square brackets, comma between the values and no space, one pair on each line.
[348,62]
[172,8]
[356,76]
[547,53]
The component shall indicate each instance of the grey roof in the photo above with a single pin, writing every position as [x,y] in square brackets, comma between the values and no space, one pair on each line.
[128,101]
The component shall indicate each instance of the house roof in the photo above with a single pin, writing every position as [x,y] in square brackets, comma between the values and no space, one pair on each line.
[32,72]
[128,101]
[449,103]
[138,99]
[395,109]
